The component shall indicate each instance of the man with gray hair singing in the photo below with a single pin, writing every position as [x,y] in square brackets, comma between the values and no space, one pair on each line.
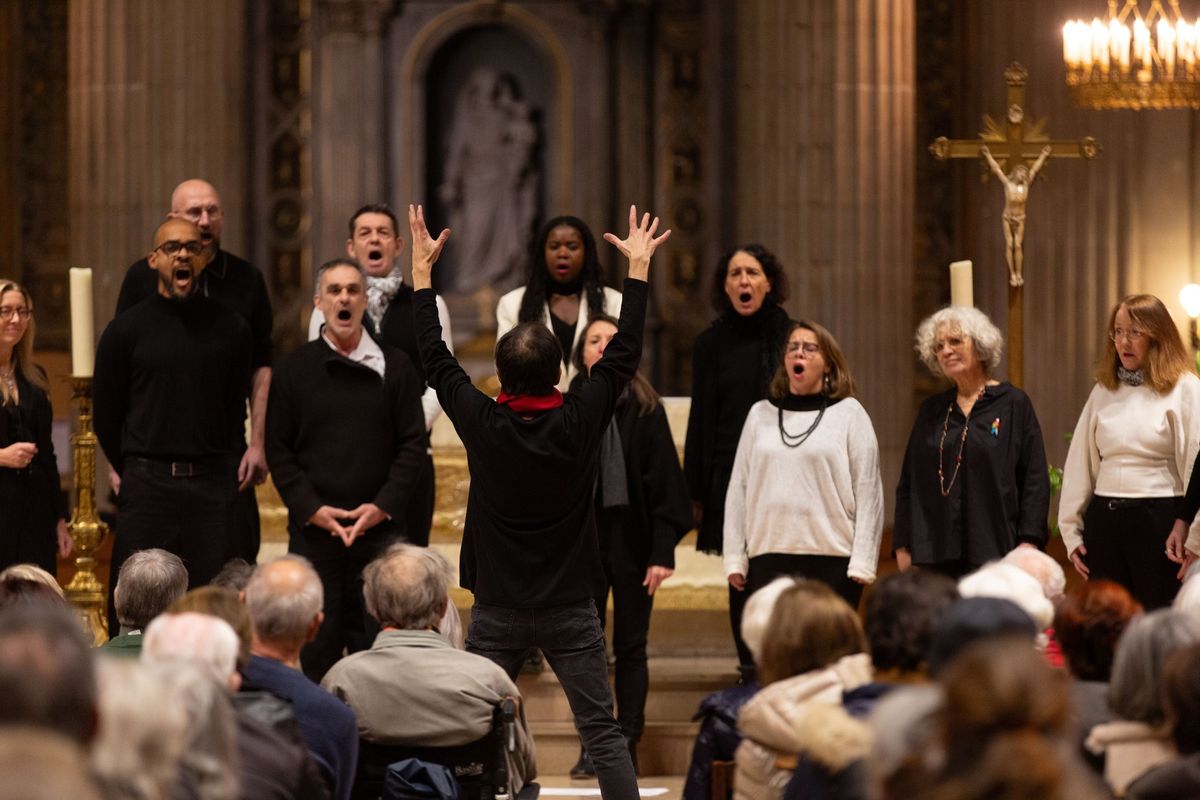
[285,598]
[148,583]
[413,687]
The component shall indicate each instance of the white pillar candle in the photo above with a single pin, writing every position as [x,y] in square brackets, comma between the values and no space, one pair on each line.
[961,292]
[83,351]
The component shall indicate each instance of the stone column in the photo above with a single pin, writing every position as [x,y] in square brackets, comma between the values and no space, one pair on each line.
[157,94]
[349,154]
[823,121]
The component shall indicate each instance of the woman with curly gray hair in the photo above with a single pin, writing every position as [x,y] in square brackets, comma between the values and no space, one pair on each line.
[974,483]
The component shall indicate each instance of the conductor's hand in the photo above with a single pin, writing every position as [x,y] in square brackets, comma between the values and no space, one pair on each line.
[365,517]
[655,575]
[640,244]
[326,518]
[425,249]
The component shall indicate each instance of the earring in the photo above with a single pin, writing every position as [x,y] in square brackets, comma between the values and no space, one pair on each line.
[828,384]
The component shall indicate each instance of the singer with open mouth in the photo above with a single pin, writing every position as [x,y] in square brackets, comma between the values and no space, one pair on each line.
[805,497]
[733,362]
[565,289]
[974,483]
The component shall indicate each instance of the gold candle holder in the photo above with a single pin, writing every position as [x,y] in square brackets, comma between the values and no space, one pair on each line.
[85,591]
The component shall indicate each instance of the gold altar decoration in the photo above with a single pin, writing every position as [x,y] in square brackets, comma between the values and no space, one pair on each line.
[1134,60]
[85,591]
[1015,151]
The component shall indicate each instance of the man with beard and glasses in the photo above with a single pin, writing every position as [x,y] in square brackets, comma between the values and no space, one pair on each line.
[171,380]
[346,443]
[239,285]
[374,243]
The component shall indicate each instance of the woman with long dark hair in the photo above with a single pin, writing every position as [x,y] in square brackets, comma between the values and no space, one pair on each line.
[564,290]
[733,363]
[33,509]
[642,511]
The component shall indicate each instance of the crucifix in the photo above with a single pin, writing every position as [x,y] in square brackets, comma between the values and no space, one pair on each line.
[1015,153]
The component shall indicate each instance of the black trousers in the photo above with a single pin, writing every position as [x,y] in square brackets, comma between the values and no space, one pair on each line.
[347,626]
[830,570]
[189,513]
[572,640]
[418,516]
[631,628]
[1126,542]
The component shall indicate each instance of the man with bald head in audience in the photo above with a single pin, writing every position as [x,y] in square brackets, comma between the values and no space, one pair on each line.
[285,598]
[171,378]
[236,283]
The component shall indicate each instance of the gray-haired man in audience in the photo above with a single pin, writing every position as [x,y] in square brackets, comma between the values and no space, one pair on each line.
[284,598]
[149,581]
[413,687]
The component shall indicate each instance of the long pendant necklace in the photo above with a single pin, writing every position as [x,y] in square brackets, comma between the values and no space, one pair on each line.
[797,439]
[962,443]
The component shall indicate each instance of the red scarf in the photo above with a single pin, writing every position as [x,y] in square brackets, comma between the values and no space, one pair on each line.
[528,403]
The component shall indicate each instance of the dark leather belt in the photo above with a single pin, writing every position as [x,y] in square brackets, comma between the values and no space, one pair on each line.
[183,469]
[1125,503]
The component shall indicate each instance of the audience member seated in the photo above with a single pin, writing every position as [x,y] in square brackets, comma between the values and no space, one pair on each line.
[900,614]
[412,687]
[149,582]
[1010,582]
[38,764]
[32,572]
[1004,731]
[1178,779]
[719,737]
[1088,623]
[284,598]
[1138,738]
[1050,576]
[269,766]
[234,575]
[26,592]
[904,723]
[814,652]
[46,668]
[144,730]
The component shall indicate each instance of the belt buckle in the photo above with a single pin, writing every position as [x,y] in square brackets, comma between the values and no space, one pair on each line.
[182,469]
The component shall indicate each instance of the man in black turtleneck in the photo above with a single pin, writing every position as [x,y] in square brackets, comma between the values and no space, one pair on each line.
[172,376]
[374,243]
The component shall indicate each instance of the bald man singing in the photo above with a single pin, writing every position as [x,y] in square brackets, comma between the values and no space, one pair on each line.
[238,285]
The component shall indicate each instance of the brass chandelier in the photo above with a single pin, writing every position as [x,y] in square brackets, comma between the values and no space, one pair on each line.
[1134,60]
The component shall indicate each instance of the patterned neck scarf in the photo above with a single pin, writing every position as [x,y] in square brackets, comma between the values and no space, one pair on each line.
[1130,377]
[380,292]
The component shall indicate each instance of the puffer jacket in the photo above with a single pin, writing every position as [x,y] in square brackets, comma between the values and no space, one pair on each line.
[802,714]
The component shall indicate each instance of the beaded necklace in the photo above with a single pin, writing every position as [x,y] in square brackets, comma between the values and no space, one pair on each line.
[962,443]
[796,439]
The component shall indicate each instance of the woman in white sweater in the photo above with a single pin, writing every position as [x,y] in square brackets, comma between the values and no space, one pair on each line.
[1131,456]
[805,496]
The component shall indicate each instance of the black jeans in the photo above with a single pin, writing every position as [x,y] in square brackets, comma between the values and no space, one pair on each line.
[190,514]
[631,628]
[572,640]
[1126,541]
[347,626]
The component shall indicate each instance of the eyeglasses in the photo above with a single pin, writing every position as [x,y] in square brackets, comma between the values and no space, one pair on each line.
[173,247]
[1131,335]
[22,313]
[807,348]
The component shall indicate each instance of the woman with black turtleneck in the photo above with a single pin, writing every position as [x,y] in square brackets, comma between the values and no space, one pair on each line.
[733,362]
[564,288]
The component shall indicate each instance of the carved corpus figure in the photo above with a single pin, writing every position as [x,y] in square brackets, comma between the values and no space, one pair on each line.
[1016,194]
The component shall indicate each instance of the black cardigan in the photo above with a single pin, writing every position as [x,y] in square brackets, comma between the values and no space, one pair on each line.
[1001,497]
[529,540]
[339,435]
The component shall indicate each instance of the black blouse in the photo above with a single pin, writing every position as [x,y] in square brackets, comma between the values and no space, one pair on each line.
[1001,497]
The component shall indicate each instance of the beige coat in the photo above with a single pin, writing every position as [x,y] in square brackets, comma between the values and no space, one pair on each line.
[802,714]
[1130,749]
